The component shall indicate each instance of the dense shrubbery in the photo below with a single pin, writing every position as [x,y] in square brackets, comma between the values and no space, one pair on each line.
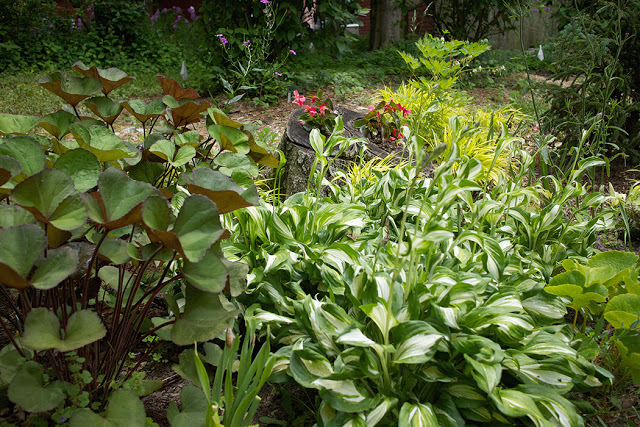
[597,57]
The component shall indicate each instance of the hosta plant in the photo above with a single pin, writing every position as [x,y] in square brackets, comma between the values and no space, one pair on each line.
[96,231]
[421,300]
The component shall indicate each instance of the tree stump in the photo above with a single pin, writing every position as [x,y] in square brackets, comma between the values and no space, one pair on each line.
[300,156]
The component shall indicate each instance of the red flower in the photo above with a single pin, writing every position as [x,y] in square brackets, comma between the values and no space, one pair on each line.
[312,111]
[322,108]
[299,99]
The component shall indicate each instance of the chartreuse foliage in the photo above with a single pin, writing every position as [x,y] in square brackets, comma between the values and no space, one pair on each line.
[434,103]
[413,300]
[607,286]
[93,228]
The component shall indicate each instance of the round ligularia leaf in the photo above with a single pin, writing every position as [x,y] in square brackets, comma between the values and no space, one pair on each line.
[16,124]
[42,330]
[110,78]
[72,89]
[28,391]
[82,166]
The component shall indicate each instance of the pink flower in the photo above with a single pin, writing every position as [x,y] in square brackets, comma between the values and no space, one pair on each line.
[246,43]
[223,40]
[299,99]
[277,74]
[218,35]
[322,108]
[265,1]
[313,99]
[302,122]
[291,51]
[371,108]
[312,111]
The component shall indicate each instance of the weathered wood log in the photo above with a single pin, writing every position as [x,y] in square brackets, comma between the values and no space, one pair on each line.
[300,156]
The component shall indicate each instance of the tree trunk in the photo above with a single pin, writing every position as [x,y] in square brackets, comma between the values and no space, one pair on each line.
[386,18]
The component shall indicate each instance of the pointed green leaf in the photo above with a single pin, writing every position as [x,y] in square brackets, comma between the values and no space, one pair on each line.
[42,330]
[417,415]
[125,409]
[16,124]
[28,391]
[164,149]
[183,156]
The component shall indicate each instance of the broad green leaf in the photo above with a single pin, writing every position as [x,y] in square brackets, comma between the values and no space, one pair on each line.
[58,265]
[230,138]
[195,230]
[27,151]
[124,410]
[82,166]
[187,113]
[173,88]
[9,167]
[616,263]
[28,390]
[12,215]
[487,375]
[16,124]
[114,250]
[623,310]
[205,316]
[104,108]
[183,156]
[191,138]
[209,274]
[343,395]
[222,190]
[148,172]
[164,149]
[417,415]
[515,403]
[120,199]
[229,162]
[103,143]
[50,196]
[42,330]
[57,124]
[193,407]
[415,341]
[142,111]
[20,247]
[72,89]
[110,78]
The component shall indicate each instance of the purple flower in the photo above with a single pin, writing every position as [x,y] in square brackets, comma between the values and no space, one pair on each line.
[278,74]
[265,1]
[293,52]
[218,35]
[246,43]
[78,23]
[89,12]
[63,418]
[192,12]
[164,10]
[223,40]
[155,16]
[176,8]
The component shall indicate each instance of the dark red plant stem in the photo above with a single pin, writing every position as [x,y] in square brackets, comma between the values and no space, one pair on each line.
[85,287]
[142,359]
[8,334]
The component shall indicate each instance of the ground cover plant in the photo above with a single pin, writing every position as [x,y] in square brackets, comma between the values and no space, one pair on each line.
[458,287]
[94,228]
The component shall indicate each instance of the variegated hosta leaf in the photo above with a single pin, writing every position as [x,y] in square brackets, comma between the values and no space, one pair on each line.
[417,415]
[415,341]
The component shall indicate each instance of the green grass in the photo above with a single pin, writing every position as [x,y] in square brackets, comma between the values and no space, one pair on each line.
[20,92]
